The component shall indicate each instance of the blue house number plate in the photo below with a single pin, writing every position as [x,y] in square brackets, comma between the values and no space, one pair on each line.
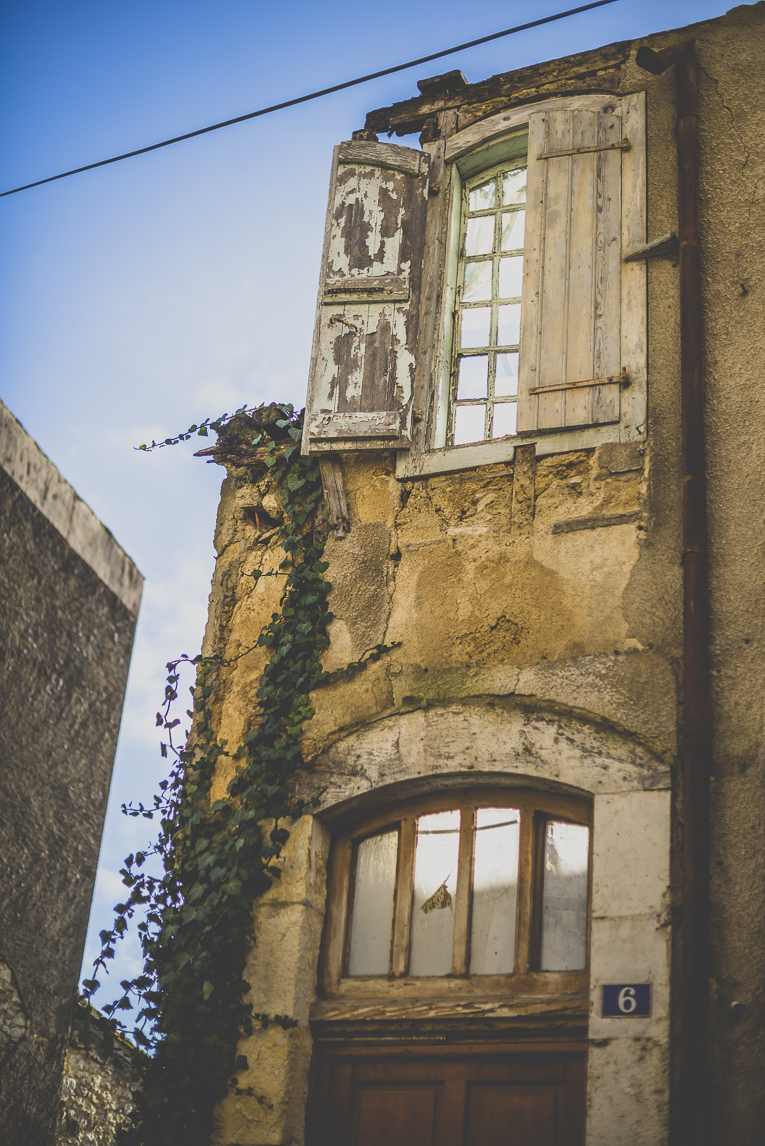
[626,1000]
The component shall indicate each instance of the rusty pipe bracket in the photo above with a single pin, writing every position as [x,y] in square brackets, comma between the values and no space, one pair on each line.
[657,62]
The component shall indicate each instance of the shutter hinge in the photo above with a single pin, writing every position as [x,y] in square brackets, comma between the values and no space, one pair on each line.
[623,379]
[338,318]
[625,145]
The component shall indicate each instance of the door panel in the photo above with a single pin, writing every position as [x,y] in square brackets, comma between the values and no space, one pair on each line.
[449,1096]
[385,1114]
[507,1115]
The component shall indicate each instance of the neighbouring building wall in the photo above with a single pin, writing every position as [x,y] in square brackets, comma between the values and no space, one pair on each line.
[538,606]
[69,598]
[98,1082]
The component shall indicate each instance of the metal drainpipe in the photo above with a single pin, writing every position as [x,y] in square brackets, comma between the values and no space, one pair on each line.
[691,1101]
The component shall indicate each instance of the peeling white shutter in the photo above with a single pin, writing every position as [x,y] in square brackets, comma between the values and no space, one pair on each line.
[363,363]
[571,359]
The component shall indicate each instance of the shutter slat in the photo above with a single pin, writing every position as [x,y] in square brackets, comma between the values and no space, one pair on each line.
[389,155]
[551,334]
[367,318]
[583,265]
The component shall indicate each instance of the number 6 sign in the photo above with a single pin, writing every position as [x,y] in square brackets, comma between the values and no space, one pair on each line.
[626,1000]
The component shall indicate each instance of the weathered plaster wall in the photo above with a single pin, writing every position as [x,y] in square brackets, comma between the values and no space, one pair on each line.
[483,603]
[66,634]
[553,590]
[513,634]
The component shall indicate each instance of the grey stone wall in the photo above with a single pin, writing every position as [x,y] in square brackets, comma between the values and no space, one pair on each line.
[66,634]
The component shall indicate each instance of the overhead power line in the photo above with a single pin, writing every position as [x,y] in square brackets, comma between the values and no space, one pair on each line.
[315,95]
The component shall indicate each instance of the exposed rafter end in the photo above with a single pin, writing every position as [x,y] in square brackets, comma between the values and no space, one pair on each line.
[334,495]
[443,84]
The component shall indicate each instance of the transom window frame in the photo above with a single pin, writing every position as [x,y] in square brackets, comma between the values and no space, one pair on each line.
[536,808]
[469,152]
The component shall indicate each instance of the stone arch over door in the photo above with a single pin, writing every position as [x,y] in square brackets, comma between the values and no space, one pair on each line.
[506,739]
[497,741]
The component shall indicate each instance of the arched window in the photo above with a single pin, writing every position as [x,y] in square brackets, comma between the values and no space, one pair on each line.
[484,887]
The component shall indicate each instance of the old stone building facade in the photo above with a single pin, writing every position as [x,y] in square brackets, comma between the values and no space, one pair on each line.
[482,925]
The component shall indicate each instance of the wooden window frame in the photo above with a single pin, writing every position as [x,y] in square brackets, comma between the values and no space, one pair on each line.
[491,351]
[536,809]
[453,161]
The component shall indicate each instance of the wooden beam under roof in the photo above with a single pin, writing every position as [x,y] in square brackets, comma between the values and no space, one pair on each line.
[410,115]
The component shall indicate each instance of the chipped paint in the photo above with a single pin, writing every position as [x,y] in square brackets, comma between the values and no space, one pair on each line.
[366,334]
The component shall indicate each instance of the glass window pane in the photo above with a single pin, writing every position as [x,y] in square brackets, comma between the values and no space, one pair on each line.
[505,419]
[506,381]
[469,424]
[495,891]
[477,286]
[509,325]
[514,187]
[564,910]
[372,923]
[479,237]
[484,197]
[476,324]
[511,277]
[435,883]
[473,380]
[513,224]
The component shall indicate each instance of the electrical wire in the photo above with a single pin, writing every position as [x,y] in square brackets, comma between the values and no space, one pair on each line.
[315,95]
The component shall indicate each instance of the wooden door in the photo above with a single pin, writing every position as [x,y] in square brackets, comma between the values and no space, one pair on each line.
[450,1096]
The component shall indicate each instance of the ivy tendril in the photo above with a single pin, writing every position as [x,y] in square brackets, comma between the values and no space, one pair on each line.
[201,430]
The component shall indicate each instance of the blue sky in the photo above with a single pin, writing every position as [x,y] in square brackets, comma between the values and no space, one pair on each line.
[143,296]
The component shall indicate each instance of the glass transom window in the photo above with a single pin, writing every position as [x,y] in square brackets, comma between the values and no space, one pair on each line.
[488,310]
[482,887]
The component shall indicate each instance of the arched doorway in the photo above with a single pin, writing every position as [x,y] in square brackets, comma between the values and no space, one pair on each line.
[471,1058]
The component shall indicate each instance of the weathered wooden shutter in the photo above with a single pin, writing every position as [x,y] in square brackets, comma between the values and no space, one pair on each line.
[362,367]
[571,340]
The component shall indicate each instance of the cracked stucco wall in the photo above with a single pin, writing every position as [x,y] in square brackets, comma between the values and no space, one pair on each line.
[584,621]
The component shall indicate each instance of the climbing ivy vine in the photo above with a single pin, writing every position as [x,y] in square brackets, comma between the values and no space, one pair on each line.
[189,1003]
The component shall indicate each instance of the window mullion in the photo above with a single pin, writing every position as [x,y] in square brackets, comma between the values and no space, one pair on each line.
[526,866]
[402,919]
[463,894]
